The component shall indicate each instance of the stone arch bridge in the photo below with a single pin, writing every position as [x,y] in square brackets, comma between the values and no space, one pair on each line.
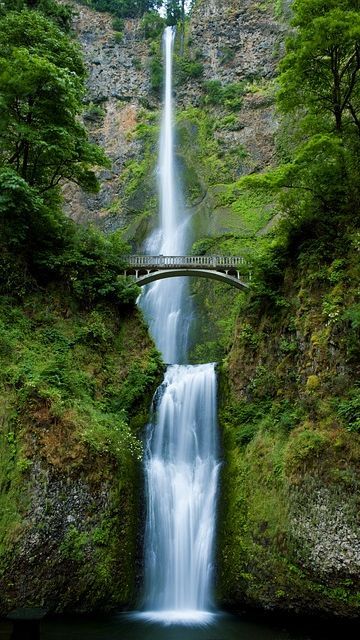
[232,270]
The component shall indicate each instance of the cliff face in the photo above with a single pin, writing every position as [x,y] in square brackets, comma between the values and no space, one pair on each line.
[234,42]
[76,386]
[289,527]
[240,42]
[118,89]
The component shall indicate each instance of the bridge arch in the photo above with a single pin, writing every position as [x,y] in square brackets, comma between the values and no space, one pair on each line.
[226,278]
[230,270]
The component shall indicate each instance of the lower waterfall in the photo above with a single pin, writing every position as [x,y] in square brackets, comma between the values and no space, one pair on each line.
[181,469]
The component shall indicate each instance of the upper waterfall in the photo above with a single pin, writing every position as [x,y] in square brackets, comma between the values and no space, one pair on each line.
[166,304]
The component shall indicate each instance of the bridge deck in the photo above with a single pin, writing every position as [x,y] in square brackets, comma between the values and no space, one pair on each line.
[233,270]
[190,262]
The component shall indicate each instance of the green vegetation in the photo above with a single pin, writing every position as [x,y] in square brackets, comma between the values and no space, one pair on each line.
[60,14]
[123,8]
[290,412]
[43,143]
[227,219]
[174,9]
[77,366]
[153,25]
[72,381]
[187,68]
[228,96]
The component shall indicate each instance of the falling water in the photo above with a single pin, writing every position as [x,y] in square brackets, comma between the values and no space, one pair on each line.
[181,465]
[181,475]
[165,303]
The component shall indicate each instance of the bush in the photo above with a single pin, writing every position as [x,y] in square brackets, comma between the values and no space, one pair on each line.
[228,96]
[118,24]
[156,74]
[94,112]
[121,8]
[92,264]
[152,24]
[306,446]
[187,68]
[349,411]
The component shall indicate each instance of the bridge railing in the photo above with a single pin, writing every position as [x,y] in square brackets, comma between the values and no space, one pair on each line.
[188,261]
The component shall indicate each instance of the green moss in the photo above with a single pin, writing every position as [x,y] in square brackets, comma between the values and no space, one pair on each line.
[76,384]
[13,467]
[289,423]
[229,96]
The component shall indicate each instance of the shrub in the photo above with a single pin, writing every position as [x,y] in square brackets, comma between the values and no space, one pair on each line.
[187,68]
[156,74]
[228,96]
[306,446]
[152,24]
[349,411]
[118,24]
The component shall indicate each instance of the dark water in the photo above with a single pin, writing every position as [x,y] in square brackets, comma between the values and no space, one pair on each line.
[225,627]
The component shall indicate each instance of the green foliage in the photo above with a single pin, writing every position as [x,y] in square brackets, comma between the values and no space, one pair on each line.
[61,14]
[74,545]
[42,143]
[248,418]
[349,411]
[152,24]
[228,96]
[156,72]
[317,190]
[204,159]
[175,11]
[118,24]
[42,85]
[263,383]
[309,445]
[322,66]
[187,68]
[94,112]
[13,467]
[123,8]
[53,248]
[74,364]
[293,404]
[119,36]
[92,263]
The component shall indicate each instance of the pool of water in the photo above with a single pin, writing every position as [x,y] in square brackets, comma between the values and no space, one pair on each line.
[222,627]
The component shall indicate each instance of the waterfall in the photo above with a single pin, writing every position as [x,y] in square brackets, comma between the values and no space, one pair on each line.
[181,465]
[181,476]
[165,303]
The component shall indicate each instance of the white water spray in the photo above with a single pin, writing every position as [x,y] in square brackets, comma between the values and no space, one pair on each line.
[166,303]
[181,476]
[181,465]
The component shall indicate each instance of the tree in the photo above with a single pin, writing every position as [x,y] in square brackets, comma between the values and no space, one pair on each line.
[321,70]
[41,89]
[59,13]
[175,11]
[126,8]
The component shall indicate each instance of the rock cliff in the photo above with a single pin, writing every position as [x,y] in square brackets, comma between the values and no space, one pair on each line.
[76,386]
[289,527]
[235,43]
[118,89]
